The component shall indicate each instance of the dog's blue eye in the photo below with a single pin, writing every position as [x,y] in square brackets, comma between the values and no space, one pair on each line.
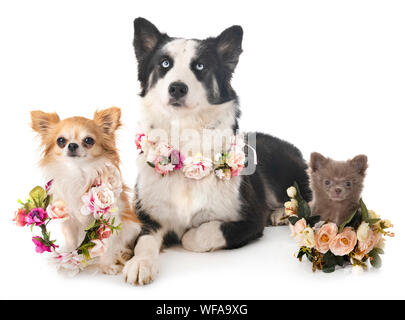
[327,182]
[348,183]
[165,63]
[199,66]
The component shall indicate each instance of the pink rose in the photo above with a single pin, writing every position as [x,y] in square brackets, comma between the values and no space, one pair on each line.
[163,167]
[324,237]
[104,232]
[57,210]
[297,229]
[36,216]
[97,200]
[98,249]
[40,247]
[236,159]
[19,218]
[140,141]
[344,242]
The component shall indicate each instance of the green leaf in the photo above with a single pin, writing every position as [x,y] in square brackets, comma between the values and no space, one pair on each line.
[329,269]
[376,261]
[298,196]
[372,221]
[91,225]
[364,211]
[151,164]
[303,209]
[341,227]
[38,196]
[313,220]
[293,219]
[376,251]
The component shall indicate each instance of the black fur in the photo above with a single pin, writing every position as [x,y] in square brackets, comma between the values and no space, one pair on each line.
[148,224]
[170,239]
[280,164]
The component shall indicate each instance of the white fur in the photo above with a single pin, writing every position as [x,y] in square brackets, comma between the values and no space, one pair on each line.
[72,178]
[206,237]
[178,203]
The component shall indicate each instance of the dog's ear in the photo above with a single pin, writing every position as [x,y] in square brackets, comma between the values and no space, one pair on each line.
[147,36]
[42,122]
[108,119]
[360,164]
[229,46]
[317,160]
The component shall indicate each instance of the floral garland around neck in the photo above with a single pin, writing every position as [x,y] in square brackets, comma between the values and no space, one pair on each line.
[355,242]
[165,159]
[40,209]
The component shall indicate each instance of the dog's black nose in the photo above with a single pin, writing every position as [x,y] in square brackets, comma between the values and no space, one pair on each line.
[73,147]
[178,90]
[338,190]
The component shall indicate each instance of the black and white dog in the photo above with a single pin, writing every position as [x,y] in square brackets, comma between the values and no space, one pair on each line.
[187,82]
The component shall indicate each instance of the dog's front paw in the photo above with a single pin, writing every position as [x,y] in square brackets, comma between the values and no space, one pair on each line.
[207,237]
[279,217]
[111,269]
[140,270]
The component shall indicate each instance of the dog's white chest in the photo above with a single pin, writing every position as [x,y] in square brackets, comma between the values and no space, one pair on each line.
[179,201]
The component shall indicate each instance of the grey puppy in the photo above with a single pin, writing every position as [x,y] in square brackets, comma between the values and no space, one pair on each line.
[336,186]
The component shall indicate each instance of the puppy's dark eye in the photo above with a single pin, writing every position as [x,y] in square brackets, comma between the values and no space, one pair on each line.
[88,141]
[61,142]
[199,66]
[348,184]
[327,182]
[165,64]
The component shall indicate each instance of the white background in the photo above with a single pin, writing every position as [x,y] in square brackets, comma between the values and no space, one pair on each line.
[328,76]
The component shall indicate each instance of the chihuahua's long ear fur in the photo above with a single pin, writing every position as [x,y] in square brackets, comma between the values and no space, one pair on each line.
[317,160]
[108,119]
[42,122]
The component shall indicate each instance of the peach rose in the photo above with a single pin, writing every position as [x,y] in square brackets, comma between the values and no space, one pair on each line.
[344,242]
[324,237]
[57,210]
[297,229]
[366,245]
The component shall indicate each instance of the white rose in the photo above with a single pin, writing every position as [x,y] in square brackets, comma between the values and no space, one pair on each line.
[98,249]
[164,150]
[223,174]
[292,192]
[372,214]
[362,231]
[197,167]
[308,238]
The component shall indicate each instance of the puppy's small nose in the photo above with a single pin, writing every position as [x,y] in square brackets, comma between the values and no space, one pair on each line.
[338,190]
[178,90]
[73,147]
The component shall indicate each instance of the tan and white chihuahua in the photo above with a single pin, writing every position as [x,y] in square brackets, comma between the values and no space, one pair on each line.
[75,151]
